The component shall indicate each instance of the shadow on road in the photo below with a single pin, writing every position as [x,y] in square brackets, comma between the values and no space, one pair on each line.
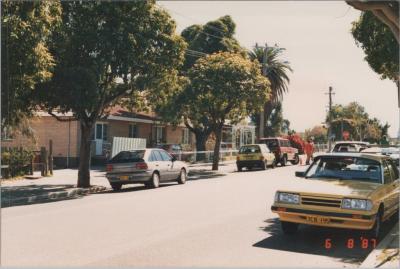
[35,194]
[342,244]
[136,187]
[204,174]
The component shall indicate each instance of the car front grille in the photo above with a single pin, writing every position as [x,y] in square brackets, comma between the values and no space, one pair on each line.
[321,201]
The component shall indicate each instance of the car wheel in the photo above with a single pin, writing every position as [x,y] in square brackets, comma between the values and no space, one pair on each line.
[116,186]
[284,161]
[182,176]
[296,160]
[239,168]
[289,227]
[155,180]
[375,232]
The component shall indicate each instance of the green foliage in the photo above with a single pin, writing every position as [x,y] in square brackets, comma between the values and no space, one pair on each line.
[276,124]
[224,86]
[17,160]
[26,60]
[318,133]
[276,69]
[356,121]
[109,50]
[379,45]
[214,36]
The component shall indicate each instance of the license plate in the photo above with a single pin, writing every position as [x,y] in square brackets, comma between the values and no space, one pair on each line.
[318,220]
[124,177]
[250,157]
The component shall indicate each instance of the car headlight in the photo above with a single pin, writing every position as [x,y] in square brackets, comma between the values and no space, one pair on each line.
[357,204]
[289,198]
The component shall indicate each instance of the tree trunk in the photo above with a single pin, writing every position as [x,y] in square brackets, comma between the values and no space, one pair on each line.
[201,140]
[268,107]
[218,136]
[84,156]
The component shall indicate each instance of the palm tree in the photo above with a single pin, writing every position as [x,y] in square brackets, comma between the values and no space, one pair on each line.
[276,71]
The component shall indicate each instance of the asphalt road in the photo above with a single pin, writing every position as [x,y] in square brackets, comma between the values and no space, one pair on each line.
[224,221]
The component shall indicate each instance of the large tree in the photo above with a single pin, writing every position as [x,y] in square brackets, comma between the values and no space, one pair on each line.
[276,70]
[385,11]
[354,119]
[26,60]
[224,86]
[107,51]
[214,36]
[380,47]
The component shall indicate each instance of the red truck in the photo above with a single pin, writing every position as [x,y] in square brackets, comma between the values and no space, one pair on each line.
[282,149]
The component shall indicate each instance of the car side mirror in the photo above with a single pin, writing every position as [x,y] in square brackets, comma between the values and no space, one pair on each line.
[300,174]
[173,159]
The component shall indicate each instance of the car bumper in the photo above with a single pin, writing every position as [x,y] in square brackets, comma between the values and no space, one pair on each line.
[336,219]
[249,163]
[129,178]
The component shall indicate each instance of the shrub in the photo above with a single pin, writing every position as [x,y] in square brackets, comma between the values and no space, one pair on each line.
[18,160]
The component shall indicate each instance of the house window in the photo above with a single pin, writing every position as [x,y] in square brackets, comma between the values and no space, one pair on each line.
[133,131]
[186,136]
[101,131]
[159,134]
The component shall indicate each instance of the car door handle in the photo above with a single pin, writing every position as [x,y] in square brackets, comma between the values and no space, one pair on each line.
[156,164]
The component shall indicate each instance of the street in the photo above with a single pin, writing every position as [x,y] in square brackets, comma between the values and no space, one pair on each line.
[218,221]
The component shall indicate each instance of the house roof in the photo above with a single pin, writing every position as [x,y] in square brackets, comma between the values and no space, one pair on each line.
[122,112]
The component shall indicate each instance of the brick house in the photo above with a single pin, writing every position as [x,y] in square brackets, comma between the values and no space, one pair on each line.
[119,123]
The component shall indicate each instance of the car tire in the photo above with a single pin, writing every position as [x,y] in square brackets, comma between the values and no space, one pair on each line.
[182,176]
[376,231]
[116,186]
[284,160]
[296,160]
[155,180]
[239,168]
[289,227]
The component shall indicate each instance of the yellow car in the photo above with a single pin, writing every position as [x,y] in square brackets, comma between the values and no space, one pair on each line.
[255,155]
[343,190]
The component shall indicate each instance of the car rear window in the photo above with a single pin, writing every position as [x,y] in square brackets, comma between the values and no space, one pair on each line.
[128,156]
[271,143]
[250,149]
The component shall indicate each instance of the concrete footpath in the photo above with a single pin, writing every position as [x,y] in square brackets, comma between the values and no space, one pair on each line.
[62,185]
[386,254]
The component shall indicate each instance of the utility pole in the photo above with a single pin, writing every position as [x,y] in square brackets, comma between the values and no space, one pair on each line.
[262,113]
[330,93]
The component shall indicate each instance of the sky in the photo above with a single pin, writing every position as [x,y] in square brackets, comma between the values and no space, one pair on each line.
[319,47]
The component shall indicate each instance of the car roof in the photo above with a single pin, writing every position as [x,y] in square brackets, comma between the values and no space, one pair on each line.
[279,138]
[252,145]
[356,154]
[352,142]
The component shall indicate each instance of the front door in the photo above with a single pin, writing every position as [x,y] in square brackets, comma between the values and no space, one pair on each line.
[101,133]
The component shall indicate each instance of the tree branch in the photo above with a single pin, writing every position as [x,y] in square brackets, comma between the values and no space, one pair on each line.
[385,12]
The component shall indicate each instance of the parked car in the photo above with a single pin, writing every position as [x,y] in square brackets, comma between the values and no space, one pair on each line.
[392,152]
[350,146]
[352,191]
[173,149]
[255,155]
[282,149]
[149,166]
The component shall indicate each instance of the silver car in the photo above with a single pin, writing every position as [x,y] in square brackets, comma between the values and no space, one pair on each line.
[149,166]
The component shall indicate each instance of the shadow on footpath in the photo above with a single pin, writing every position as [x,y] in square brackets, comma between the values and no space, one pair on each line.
[36,194]
[345,245]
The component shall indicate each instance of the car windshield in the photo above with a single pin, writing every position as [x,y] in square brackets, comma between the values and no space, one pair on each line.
[249,149]
[346,168]
[128,156]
